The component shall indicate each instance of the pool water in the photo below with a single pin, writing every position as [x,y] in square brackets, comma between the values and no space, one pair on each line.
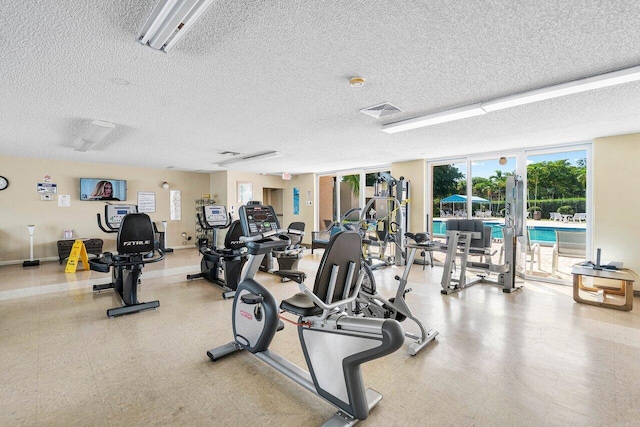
[537,234]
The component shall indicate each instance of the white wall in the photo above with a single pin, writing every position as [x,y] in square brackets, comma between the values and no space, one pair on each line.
[616,199]
[21,205]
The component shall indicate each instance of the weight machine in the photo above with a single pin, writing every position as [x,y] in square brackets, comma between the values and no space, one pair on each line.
[384,220]
[460,245]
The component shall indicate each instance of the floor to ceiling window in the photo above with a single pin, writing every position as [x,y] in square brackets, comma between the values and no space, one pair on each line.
[343,193]
[556,213]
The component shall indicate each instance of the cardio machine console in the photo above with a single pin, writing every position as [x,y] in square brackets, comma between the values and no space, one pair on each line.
[257,219]
[215,216]
[115,213]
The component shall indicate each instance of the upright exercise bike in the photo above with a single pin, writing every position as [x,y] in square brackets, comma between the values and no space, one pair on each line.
[221,266]
[371,304]
[334,344]
[135,244]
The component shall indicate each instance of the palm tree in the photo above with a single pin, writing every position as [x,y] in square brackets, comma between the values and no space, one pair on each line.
[354,182]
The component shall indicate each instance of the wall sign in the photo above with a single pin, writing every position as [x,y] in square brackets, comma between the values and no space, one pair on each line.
[47,188]
[146,201]
[175,203]
[296,200]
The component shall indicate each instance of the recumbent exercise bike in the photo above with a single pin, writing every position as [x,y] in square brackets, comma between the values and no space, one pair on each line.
[334,344]
[135,244]
[221,266]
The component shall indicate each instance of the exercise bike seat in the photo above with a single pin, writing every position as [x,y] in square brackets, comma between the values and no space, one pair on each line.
[101,264]
[296,276]
[301,305]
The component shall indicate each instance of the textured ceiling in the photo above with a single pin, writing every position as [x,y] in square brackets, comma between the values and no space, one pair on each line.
[274,75]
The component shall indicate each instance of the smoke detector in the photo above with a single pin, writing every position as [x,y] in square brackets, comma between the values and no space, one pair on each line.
[356,82]
[381,110]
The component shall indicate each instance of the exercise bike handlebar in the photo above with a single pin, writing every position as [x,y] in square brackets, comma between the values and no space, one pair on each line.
[294,231]
[111,229]
[261,236]
[327,307]
[262,243]
[142,261]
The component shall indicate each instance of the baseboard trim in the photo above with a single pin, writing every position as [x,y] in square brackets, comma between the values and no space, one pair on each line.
[20,261]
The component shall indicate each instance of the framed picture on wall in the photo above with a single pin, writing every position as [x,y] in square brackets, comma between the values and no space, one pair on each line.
[245,192]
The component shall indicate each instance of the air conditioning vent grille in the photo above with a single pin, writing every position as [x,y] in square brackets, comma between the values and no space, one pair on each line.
[381,110]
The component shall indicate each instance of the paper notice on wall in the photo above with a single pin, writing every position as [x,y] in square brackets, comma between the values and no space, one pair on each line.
[146,201]
[64,200]
[176,205]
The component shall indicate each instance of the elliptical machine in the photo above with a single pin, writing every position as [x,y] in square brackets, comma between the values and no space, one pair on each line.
[334,344]
[135,245]
[216,261]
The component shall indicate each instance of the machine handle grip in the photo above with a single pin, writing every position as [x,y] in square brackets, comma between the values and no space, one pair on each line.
[111,229]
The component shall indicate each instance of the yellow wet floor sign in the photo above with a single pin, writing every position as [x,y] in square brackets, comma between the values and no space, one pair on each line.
[78,253]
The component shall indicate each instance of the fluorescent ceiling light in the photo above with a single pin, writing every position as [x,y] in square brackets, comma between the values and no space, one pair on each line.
[626,75]
[169,21]
[94,134]
[556,91]
[434,119]
[248,158]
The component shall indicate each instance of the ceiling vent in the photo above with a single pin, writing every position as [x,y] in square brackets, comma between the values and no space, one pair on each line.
[381,110]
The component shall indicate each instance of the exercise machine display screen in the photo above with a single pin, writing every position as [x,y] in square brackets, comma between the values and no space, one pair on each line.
[258,219]
[215,216]
[114,214]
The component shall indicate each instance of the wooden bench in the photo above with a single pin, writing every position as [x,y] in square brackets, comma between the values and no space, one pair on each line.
[94,247]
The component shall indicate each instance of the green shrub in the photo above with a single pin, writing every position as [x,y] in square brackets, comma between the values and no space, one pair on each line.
[534,208]
[566,210]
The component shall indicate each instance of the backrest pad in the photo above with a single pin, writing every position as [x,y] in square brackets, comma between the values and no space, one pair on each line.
[343,248]
[136,234]
[473,225]
[232,239]
[295,238]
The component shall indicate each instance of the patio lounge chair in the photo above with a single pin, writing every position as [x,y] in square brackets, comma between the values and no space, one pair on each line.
[580,217]
[571,244]
[555,216]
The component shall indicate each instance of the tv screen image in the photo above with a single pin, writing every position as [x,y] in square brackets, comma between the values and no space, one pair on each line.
[103,189]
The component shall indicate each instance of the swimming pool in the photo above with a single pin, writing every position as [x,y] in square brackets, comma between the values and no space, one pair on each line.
[544,235]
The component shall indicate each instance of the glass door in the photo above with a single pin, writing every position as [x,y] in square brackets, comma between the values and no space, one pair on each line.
[448,195]
[557,212]
[327,201]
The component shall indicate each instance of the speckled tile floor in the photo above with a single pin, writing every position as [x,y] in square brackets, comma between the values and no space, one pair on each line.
[534,357]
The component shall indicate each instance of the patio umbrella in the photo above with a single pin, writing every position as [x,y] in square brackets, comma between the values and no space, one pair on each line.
[459,198]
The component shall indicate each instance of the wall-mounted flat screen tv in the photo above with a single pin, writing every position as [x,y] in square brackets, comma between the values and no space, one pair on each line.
[103,189]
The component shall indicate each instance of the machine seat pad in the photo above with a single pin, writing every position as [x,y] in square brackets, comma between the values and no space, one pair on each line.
[210,256]
[301,305]
[296,276]
[101,265]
